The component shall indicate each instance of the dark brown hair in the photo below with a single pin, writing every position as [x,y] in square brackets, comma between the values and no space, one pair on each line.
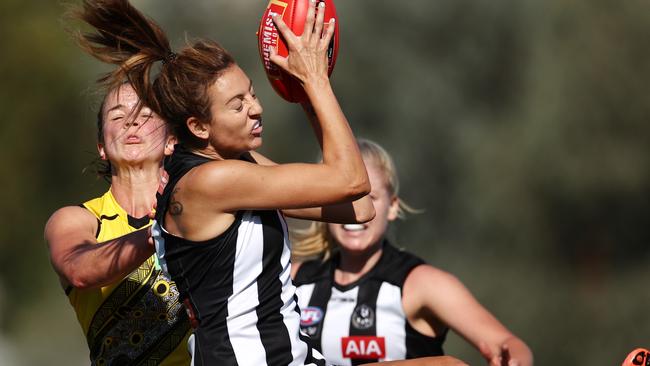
[103,168]
[125,37]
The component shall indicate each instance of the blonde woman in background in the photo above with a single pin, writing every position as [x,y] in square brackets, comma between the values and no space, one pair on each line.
[363,299]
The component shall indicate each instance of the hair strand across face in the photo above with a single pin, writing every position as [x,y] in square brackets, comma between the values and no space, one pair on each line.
[125,37]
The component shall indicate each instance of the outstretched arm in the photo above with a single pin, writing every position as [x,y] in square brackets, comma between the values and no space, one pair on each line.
[443,297]
[82,262]
[357,211]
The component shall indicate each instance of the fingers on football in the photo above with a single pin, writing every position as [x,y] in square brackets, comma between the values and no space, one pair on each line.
[282,62]
[328,33]
[308,31]
[284,29]
[289,37]
[320,16]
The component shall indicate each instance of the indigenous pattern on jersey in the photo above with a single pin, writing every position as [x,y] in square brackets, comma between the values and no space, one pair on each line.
[138,320]
[237,285]
[364,321]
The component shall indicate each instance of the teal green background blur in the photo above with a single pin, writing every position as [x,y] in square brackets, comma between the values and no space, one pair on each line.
[521,127]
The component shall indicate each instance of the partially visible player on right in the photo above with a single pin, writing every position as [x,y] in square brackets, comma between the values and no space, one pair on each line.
[362,299]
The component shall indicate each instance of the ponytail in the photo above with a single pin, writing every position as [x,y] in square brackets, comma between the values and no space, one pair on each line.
[313,242]
[125,37]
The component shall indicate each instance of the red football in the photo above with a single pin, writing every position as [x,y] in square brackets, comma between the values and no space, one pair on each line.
[294,14]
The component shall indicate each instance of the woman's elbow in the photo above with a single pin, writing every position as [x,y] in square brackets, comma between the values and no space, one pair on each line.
[358,188]
[79,283]
[366,214]
[82,281]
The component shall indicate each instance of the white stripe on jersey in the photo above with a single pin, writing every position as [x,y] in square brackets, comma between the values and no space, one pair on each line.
[190,347]
[391,320]
[242,317]
[304,295]
[290,315]
[339,311]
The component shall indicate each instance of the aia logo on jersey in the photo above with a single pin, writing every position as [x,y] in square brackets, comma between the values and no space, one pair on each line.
[363,317]
[310,315]
[363,347]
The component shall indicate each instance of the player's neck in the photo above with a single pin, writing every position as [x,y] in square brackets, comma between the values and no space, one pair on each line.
[135,190]
[352,266]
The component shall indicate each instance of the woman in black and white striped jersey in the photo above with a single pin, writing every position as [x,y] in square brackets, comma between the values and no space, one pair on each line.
[371,301]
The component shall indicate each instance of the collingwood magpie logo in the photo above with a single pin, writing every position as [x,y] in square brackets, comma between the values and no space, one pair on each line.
[363,317]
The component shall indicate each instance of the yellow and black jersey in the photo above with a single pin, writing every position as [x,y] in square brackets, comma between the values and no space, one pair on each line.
[138,320]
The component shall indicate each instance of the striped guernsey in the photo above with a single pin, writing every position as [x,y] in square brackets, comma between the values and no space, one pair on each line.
[237,285]
[364,321]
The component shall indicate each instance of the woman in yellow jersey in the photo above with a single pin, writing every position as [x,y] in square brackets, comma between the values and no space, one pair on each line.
[128,309]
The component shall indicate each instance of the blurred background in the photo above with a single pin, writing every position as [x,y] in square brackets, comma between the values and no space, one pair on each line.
[521,127]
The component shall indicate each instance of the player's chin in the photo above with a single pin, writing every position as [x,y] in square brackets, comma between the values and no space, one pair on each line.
[255,141]
[356,247]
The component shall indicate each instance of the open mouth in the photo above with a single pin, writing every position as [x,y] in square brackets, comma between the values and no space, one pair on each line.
[257,127]
[132,139]
[353,227]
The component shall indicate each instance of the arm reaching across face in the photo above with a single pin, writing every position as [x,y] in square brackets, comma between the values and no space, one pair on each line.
[82,262]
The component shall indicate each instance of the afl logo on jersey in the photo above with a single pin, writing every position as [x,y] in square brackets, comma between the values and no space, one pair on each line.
[363,317]
[310,315]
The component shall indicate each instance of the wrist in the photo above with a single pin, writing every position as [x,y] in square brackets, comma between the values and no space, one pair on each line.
[317,93]
[316,83]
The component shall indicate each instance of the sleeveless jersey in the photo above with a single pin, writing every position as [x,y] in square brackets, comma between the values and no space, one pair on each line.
[138,320]
[364,321]
[237,285]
